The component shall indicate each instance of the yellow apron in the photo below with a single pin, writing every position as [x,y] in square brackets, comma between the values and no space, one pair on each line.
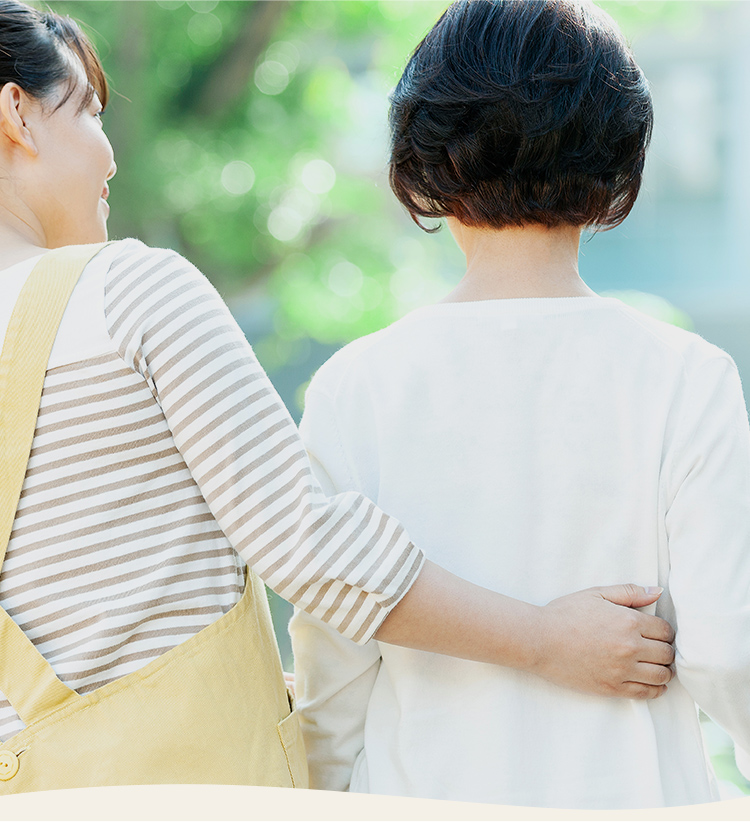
[213,710]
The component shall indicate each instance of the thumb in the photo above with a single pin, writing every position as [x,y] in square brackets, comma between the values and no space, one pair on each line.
[632,596]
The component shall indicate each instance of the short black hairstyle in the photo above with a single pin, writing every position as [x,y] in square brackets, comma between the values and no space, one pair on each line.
[34,53]
[512,112]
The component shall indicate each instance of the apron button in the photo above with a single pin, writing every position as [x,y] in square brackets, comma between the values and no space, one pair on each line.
[8,765]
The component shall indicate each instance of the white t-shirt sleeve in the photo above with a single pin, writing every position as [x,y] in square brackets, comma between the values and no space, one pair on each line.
[708,528]
[334,677]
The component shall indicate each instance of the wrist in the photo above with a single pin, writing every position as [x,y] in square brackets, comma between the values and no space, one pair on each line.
[523,644]
[535,640]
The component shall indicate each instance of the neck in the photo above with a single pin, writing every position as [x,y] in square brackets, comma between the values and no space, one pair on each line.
[19,239]
[530,261]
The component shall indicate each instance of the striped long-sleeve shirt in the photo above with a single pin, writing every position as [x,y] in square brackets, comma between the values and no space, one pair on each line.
[162,461]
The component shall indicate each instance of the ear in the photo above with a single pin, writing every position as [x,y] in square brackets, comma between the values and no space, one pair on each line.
[16,106]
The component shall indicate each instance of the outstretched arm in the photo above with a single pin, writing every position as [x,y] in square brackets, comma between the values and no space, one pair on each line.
[582,641]
[586,641]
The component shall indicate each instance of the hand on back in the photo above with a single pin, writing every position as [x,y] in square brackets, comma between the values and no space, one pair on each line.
[595,641]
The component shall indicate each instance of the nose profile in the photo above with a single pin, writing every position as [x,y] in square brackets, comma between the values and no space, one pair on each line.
[112,170]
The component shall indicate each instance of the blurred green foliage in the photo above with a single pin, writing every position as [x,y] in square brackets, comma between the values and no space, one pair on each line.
[636,16]
[653,306]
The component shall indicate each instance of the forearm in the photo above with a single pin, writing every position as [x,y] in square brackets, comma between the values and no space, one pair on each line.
[448,615]
[586,641]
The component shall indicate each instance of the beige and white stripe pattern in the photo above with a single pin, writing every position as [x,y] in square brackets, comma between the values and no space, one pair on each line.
[155,463]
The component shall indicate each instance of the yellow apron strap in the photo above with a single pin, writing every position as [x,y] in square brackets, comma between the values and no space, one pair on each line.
[26,678]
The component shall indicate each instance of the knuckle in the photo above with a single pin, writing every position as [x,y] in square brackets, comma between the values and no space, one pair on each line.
[608,689]
[632,621]
[626,650]
[622,654]
[668,633]
[658,628]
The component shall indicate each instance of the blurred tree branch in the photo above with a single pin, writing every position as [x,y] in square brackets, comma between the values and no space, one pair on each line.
[225,79]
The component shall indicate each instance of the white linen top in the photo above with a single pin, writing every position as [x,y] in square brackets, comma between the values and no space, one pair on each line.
[538,447]
[163,461]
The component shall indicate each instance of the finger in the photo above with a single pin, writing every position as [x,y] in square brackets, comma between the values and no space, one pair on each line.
[637,690]
[645,673]
[289,681]
[629,595]
[657,653]
[653,627]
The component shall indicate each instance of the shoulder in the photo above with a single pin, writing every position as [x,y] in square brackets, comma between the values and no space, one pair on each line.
[686,348]
[153,294]
[376,352]
[140,277]
[132,259]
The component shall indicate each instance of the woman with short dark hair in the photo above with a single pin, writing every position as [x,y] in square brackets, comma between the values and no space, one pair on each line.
[601,443]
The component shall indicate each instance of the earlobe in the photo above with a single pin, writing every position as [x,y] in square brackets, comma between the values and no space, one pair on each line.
[15,106]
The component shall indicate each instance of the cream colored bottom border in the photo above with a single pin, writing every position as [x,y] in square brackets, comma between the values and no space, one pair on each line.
[214,802]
